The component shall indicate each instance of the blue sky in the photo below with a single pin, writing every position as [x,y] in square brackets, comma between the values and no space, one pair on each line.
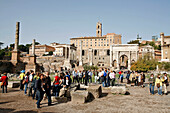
[59,20]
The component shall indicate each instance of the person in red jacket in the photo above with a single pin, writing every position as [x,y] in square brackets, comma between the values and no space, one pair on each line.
[4,80]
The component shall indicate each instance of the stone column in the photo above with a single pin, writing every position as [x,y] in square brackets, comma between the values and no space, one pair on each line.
[111,55]
[118,60]
[129,60]
[136,55]
[33,47]
[91,56]
[162,44]
[69,52]
[66,52]
[80,60]
[17,36]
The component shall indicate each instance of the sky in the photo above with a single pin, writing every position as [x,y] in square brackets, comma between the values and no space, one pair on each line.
[50,21]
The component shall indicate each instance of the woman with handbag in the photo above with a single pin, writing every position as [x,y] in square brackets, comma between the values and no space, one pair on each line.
[158,84]
[166,83]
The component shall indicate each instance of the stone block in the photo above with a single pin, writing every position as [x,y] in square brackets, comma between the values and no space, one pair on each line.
[13,84]
[61,99]
[95,90]
[118,90]
[80,96]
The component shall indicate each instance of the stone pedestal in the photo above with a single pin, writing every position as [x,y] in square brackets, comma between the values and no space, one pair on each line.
[32,64]
[96,91]
[15,57]
[118,90]
[79,96]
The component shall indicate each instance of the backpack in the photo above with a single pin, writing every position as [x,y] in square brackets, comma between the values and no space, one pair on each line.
[27,79]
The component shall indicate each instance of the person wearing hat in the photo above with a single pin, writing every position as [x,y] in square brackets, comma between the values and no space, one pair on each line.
[21,76]
[4,83]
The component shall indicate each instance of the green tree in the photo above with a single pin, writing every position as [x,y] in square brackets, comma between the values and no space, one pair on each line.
[145,64]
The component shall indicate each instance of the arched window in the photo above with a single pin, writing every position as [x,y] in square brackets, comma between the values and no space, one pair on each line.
[108,52]
[82,52]
[95,52]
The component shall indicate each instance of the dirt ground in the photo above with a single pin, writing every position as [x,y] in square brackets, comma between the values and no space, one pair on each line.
[139,101]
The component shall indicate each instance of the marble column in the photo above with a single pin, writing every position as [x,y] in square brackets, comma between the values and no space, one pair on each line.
[118,60]
[33,47]
[69,53]
[66,52]
[80,60]
[129,60]
[17,36]
[162,44]
[91,56]
[136,55]
[111,55]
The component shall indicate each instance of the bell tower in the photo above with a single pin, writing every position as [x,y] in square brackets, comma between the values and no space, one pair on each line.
[99,29]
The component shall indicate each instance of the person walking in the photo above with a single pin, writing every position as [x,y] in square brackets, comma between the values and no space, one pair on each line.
[21,76]
[151,84]
[25,82]
[158,84]
[166,83]
[47,87]
[4,84]
[35,79]
[136,78]
[40,90]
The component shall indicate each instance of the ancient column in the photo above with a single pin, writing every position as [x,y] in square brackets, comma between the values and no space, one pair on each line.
[118,60]
[136,55]
[111,55]
[33,47]
[162,44]
[17,36]
[129,60]
[15,53]
[69,53]
[66,52]
[80,60]
[91,56]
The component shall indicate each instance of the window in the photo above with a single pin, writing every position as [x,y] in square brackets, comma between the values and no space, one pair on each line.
[95,39]
[110,40]
[95,52]
[82,52]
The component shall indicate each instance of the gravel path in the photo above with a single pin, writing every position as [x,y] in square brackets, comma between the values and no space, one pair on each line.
[139,101]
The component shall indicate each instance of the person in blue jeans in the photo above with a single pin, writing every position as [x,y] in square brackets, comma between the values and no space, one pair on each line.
[26,81]
[40,90]
[151,84]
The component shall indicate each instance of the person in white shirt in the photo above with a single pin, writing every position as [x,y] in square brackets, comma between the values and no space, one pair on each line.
[30,84]
[100,74]
[112,77]
[90,76]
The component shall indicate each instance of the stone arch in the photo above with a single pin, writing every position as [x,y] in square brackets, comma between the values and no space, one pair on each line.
[108,52]
[123,61]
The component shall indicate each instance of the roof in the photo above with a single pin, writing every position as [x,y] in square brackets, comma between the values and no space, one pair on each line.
[86,38]
[42,46]
[166,36]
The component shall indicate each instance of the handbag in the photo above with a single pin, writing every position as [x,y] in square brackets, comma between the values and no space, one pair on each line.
[158,85]
[167,84]
[2,83]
